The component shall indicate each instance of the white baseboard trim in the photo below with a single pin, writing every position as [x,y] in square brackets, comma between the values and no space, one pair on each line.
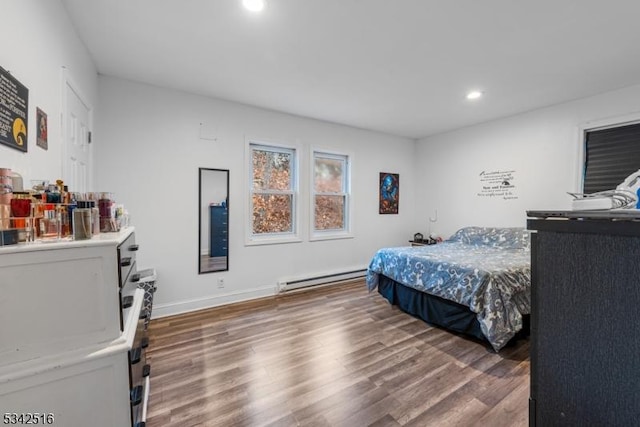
[186,306]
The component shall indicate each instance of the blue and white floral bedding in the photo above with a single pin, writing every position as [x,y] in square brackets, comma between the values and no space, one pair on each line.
[485,269]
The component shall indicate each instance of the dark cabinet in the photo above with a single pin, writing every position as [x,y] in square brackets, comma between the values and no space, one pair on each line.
[218,231]
[585,327]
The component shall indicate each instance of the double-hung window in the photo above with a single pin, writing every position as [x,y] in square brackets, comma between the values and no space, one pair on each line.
[330,196]
[273,193]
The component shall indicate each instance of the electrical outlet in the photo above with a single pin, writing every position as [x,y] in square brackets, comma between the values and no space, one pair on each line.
[220,282]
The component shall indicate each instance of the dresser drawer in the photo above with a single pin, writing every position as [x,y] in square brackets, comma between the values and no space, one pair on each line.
[218,246]
[219,232]
[126,258]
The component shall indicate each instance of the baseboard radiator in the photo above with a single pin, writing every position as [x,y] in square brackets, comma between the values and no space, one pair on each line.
[286,285]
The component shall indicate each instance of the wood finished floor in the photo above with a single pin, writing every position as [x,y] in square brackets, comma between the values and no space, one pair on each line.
[334,356]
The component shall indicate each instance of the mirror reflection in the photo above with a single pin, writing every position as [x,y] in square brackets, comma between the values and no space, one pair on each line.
[213,220]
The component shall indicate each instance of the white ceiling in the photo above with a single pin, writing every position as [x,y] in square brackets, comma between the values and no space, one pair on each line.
[395,66]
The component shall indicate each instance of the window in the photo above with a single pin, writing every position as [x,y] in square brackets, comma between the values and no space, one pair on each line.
[330,190]
[273,193]
[611,154]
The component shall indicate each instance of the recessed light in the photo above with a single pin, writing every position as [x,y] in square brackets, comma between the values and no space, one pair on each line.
[474,94]
[253,5]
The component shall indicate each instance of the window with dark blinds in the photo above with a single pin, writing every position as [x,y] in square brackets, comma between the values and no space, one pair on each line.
[611,155]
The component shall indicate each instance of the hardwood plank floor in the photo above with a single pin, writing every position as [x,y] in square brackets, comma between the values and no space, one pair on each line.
[333,356]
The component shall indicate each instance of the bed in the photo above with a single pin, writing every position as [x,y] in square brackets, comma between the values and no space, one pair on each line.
[478,282]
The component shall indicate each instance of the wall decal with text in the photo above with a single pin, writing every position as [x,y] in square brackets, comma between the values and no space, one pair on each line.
[498,184]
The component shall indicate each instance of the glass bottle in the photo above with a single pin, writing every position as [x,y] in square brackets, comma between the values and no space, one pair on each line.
[65,221]
[50,224]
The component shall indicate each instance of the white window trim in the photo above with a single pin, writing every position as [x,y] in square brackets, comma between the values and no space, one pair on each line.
[271,238]
[347,233]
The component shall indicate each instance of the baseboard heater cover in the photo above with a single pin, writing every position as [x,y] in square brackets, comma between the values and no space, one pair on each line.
[286,285]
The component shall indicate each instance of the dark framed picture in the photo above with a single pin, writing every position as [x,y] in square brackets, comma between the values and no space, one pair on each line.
[14,107]
[41,120]
[389,192]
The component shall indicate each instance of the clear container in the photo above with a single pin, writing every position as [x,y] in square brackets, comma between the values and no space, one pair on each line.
[82,226]
[107,215]
[5,217]
[20,211]
[95,217]
[39,184]
[6,186]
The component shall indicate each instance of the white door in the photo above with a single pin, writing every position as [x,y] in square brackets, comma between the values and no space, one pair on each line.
[77,152]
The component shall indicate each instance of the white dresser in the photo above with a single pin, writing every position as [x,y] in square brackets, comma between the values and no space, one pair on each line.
[72,344]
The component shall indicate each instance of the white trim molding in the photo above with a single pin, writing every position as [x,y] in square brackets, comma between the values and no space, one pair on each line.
[187,306]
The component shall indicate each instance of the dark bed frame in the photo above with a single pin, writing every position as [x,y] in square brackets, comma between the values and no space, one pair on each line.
[439,311]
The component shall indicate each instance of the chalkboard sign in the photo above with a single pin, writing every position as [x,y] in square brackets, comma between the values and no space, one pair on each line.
[14,107]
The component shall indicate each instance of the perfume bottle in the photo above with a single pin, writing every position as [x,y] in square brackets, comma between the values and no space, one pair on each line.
[65,220]
[52,194]
[67,197]
[37,212]
[50,225]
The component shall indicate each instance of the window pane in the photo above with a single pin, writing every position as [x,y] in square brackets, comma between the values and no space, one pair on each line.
[329,212]
[328,175]
[611,155]
[272,213]
[271,170]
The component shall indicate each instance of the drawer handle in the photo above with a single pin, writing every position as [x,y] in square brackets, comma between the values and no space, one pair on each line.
[135,278]
[144,343]
[127,301]
[136,395]
[146,370]
[134,248]
[136,355]
[125,262]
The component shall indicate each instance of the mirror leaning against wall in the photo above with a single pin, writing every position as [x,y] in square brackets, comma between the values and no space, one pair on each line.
[213,220]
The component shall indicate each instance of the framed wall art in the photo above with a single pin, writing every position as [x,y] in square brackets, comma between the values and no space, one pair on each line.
[14,107]
[41,120]
[389,187]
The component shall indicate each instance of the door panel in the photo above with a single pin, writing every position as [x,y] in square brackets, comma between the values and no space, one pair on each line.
[77,161]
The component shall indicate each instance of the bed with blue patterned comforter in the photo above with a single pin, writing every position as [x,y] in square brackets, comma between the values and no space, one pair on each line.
[485,269]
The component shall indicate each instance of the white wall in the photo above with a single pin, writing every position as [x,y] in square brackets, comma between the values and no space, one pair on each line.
[37,41]
[541,146]
[148,152]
